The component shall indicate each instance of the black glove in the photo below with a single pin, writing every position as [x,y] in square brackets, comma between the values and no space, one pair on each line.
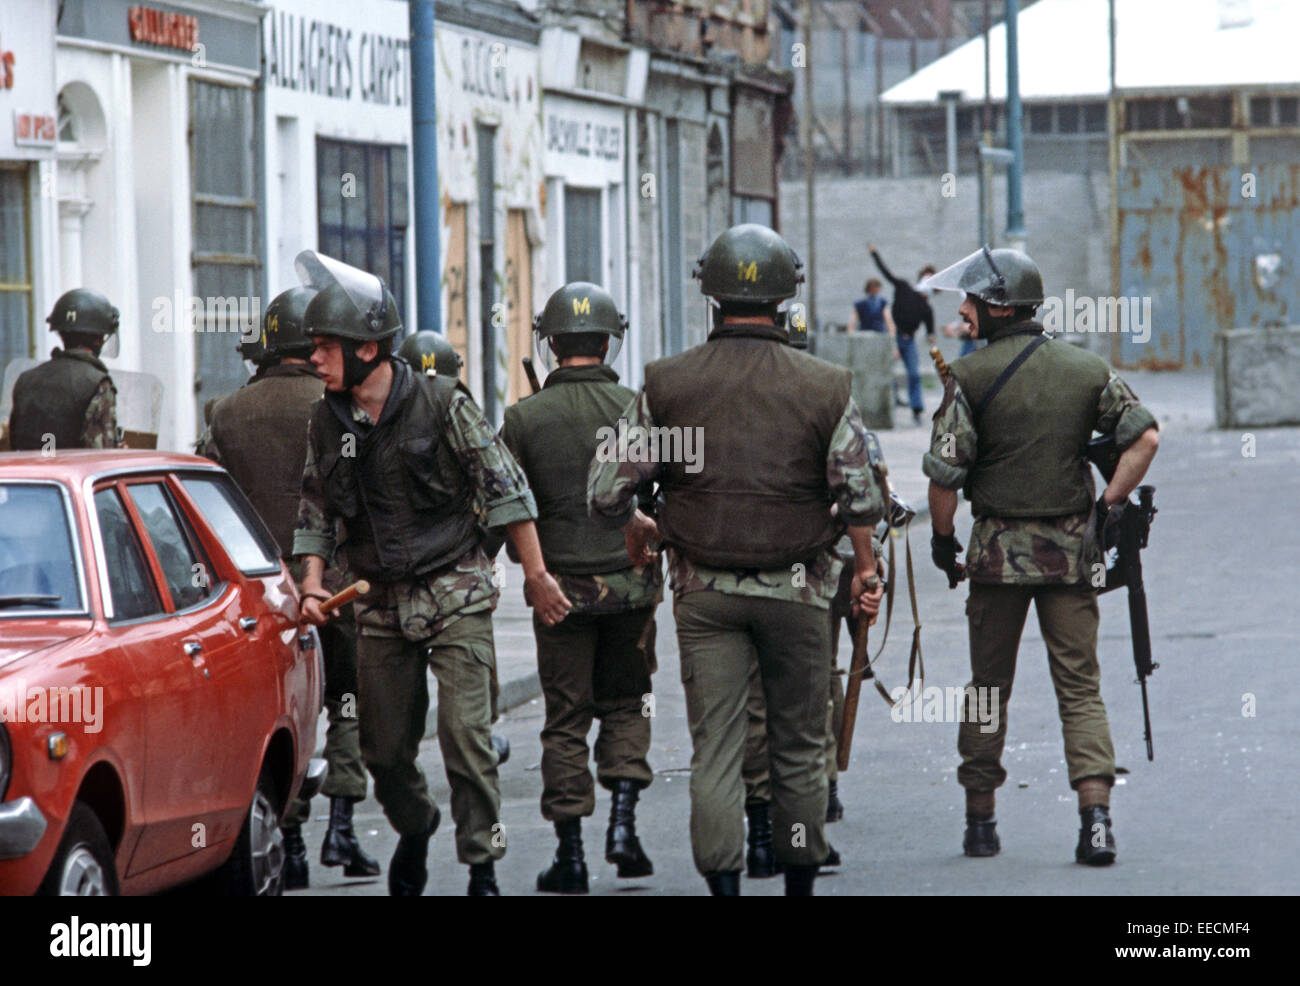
[1108,519]
[944,549]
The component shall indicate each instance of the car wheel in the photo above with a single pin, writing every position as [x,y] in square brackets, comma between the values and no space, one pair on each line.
[256,867]
[83,866]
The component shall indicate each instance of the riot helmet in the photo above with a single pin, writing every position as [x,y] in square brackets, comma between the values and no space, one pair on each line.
[431,353]
[1002,277]
[352,305]
[587,315]
[282,329]
[81,314]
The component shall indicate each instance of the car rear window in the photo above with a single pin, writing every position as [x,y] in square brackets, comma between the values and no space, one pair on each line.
[130,586]
[228,513]
[38,567]
[186,572]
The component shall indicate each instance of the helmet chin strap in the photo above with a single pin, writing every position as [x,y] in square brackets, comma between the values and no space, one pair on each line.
[355,369]
[990,326]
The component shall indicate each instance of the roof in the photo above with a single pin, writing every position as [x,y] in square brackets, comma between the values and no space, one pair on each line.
[75,465]
[1160,44]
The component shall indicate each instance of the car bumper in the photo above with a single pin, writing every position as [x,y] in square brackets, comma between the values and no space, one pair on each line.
[317,768]
[21,827]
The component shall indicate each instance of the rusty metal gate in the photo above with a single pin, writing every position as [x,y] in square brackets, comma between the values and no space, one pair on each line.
[1213,248]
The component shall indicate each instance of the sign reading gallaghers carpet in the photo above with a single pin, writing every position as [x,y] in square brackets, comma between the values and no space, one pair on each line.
[323,59]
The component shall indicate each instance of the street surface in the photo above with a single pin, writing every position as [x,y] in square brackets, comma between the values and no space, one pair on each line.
[1216,813]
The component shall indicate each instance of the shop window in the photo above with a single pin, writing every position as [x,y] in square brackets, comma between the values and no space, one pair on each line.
[225,254]
[362,208]
[15,266]
[1094,117]
[582,235]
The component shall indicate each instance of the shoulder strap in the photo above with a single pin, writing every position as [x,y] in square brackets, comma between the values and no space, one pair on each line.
[1007,374]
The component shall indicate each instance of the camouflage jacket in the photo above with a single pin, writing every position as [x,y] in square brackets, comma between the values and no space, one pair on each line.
[613,592]
[100,429]
[1036,550]
[422,607]
[611,489]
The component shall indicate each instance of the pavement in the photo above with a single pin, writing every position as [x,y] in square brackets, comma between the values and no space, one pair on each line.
[1216,813]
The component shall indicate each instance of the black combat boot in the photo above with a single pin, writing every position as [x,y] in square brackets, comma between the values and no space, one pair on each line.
[834,807]
[1096,843]
[568,871]
[406,870]
[621,844]
[799,880]
[724,884]
[832,857]
[341,847]
[483,880]
[760,861]
[981,837]
[295,859]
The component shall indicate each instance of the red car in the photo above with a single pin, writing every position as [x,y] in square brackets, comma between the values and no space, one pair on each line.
[158,699]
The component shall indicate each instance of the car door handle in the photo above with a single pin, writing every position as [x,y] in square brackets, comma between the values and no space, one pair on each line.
[248,623]
[192,648]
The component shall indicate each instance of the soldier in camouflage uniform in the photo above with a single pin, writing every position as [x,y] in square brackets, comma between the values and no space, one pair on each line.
[70,401]
[750,542]
[259,434]
[1011,433]
[400,459]
[597,663]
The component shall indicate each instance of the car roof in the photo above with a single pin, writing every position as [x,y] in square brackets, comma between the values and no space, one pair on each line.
[76,465]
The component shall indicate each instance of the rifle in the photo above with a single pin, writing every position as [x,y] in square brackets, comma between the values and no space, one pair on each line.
[1133,536]
[532,375]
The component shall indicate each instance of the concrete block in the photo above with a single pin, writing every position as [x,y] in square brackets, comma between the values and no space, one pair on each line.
[1255,377]
[870,355]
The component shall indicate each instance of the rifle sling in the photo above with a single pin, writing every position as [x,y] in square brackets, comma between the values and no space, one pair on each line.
[1007,374]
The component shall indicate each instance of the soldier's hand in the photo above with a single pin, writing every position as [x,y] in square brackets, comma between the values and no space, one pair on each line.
[867,592]
[637,535]
[544,594]
[944,549]
[312,613]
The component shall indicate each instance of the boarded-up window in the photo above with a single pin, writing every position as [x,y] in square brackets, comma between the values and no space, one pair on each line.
[454,285]
[519,284]
[752,169]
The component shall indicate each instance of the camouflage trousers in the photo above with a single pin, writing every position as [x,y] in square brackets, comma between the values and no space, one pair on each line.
[347,773]
[1067,617]
[394,700]
[719,636]
[593,667]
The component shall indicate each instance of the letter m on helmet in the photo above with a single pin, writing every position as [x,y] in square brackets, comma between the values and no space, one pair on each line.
[582,307]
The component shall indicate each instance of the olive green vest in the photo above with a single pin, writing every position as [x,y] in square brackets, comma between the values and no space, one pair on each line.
[1033,434]
[260,432]
[766,413]
[52,399]
[555,435]
[406,504]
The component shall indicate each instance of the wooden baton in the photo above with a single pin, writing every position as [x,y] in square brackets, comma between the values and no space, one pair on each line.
[853,689]
[341,599]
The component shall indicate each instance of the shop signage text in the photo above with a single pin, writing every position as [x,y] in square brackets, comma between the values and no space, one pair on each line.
[565,135]
[6,69]
[158,27]
[34,129]
[322,59]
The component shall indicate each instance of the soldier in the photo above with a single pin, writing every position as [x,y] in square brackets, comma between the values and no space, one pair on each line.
[750,538]
[400,459]
[1011,434]
[258,434]
[597,663]
[70,399]
[430,353]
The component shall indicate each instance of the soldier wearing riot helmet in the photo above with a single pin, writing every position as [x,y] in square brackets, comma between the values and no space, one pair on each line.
[257,434]
[750,540]
[1011,433]
[402,463]
[597,663]
[431,353]
[70,399]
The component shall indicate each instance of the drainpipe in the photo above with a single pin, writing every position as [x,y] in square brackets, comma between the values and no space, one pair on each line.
[1015,139]
[424,169]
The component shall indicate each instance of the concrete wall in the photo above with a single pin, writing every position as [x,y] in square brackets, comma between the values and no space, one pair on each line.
[913,222]
[1254,377]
